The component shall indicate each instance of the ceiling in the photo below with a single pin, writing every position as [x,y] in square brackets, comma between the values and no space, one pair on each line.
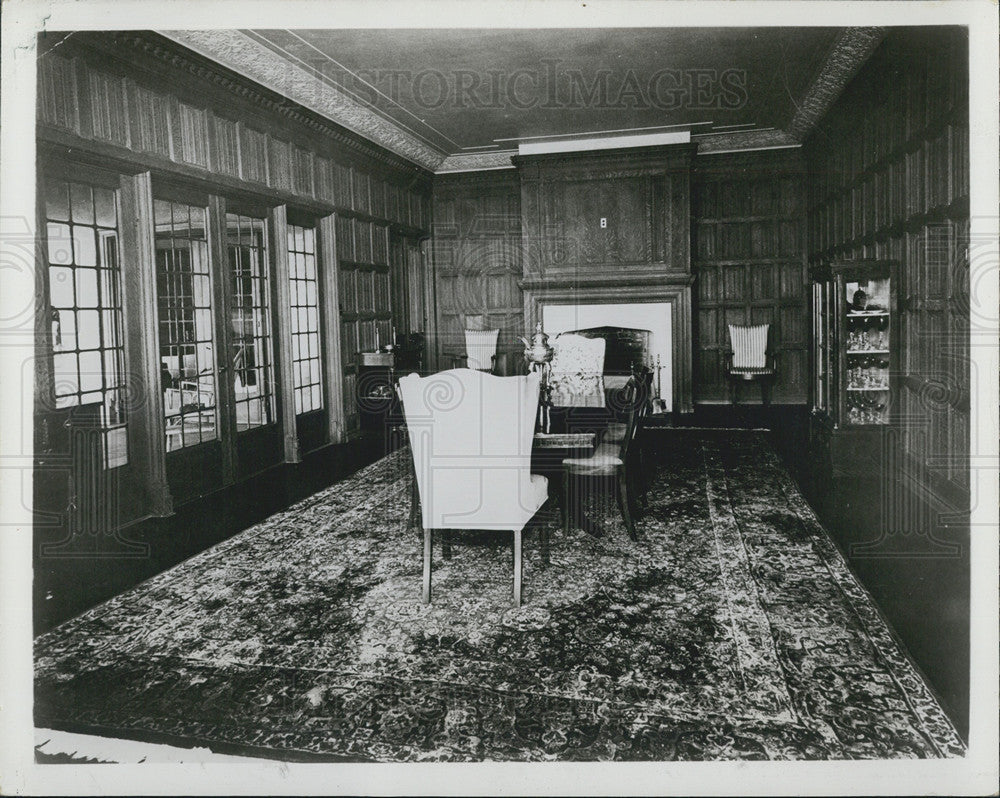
[452,98]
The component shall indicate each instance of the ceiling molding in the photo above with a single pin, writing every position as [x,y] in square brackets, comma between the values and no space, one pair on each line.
[240,53]
[740,140]
[257,62]
[477,161]
[852,48]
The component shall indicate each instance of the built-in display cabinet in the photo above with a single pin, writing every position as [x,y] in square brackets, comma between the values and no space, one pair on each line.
[855,343]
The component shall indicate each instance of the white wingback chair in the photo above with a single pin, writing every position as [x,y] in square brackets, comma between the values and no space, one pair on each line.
[470,435]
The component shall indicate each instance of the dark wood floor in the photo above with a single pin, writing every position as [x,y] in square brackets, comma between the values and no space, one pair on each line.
[924,598]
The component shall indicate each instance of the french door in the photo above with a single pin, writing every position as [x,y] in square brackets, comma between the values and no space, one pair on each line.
[216,344]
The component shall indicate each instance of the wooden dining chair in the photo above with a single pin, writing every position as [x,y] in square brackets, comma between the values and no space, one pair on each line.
[639,466]
[610,465]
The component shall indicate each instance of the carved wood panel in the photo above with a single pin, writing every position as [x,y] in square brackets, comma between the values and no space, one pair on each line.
[891,181]
[476,252]
[588,214]
[748,219]
[143,110]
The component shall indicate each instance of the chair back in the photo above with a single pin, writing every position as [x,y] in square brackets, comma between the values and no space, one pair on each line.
[631,398]
[749,344]
[577,378]
[471,435]
[480,347]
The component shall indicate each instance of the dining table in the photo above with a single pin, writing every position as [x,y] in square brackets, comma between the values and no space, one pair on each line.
[548,451]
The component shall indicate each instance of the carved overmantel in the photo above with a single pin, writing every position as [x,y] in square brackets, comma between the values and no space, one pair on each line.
[611,226]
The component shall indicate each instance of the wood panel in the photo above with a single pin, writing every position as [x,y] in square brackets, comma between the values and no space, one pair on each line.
[109,88]
[891,181]
[642,196]
[748,214]
[476,255]
[365,297]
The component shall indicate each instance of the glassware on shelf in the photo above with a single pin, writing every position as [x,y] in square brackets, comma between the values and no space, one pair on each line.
[867,409]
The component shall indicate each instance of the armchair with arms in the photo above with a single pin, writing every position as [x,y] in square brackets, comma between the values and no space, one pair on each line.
[480,352]
[750,358]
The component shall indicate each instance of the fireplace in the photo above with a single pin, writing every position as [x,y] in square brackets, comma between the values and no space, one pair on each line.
[626,349]
[636,334]
[661,307]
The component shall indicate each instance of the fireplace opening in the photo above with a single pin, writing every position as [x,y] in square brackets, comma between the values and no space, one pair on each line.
[625,350]
[636,333]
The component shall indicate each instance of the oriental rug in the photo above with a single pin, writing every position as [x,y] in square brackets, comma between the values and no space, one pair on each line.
[733,630]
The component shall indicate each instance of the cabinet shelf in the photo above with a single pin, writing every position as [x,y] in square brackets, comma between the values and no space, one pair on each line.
[874,389]
[868,351]
[865,314]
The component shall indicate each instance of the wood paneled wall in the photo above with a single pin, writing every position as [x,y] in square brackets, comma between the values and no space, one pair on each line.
[890,180]
[476,254]
[748,215]
[136,102]
[641,196]
[133,91]
[366,319]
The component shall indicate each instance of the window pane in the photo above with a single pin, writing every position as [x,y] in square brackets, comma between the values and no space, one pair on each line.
[61,286]
[91,371]
[65,374]
[161,216]
[59,243]
[104,203]
[84,248]
[86,288]
[57,201]
[65,338]
[82,204]
[88,323]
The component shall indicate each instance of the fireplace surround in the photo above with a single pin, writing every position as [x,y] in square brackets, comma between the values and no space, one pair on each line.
[673,289]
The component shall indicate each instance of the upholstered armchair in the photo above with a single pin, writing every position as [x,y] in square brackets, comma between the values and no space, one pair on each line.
[470,436]
[750,358]
[577,371]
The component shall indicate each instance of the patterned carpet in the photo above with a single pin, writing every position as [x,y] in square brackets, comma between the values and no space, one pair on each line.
[733,630]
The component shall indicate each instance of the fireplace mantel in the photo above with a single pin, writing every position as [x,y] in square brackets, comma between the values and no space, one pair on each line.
[647,280]
[669,287]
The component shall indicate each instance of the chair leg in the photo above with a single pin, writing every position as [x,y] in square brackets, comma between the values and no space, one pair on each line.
[565,501]
[624,499]
[765,391]
[517,568]
[543,541]
[446,544]
[427,566]
[414,504]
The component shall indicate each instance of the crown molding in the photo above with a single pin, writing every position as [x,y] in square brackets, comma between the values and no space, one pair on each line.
[743,141]
[476,162]
[852,48]
[251,59]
